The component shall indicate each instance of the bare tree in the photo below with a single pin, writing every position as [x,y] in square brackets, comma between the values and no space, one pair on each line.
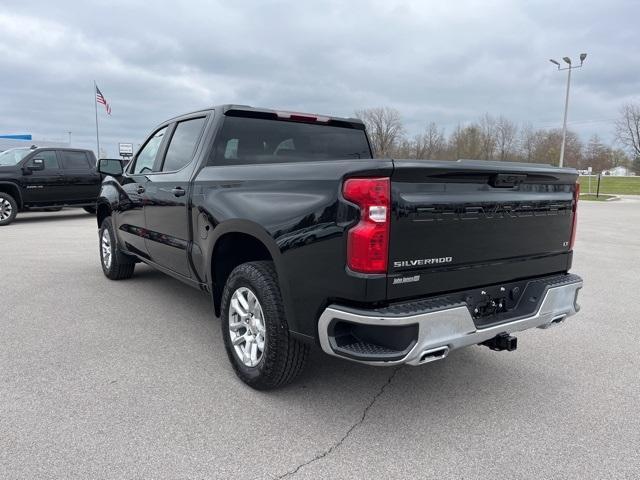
[628,128]
[598,155]
[620,158]
[404,148]
[506,136]
[488,136]
[573,151]
[384,127]
[430,144]
[466,142]
[528,141]
[547,148]
[498,138]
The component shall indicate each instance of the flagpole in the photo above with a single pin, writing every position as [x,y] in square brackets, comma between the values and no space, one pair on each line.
[95,103]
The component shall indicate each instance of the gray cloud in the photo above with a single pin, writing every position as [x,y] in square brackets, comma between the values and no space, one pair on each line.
[448,62]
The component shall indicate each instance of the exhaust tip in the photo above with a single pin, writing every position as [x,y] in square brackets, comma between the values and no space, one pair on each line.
[434,354]
[555,321]
[559,319]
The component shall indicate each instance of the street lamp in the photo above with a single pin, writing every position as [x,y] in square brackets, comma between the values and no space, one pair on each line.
[567,60]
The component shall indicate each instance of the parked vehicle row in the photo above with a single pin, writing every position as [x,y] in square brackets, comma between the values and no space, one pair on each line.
[47,179]
[302,238]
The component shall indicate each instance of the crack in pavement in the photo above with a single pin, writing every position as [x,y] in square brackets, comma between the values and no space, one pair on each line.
[333,447]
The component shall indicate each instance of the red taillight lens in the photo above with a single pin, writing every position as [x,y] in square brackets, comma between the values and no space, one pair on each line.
[368,241]
[574,221]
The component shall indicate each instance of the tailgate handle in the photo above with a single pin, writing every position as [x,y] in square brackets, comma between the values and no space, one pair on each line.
[506,180]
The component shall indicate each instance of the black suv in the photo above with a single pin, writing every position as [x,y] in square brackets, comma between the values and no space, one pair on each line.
[47,179]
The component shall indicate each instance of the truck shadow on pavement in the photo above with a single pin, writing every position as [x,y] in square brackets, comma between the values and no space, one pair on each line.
[474,372]
[41,217]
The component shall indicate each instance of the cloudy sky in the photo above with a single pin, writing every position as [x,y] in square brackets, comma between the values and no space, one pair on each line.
[443,61]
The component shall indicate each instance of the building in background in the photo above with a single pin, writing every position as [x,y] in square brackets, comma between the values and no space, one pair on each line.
[26,140]
[619,171]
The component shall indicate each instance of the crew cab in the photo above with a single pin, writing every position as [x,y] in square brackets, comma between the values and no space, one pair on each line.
[46,179]
[303,239]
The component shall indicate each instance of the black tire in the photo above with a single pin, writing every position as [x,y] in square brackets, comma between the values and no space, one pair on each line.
[91,210]
[121,265]
[283,357]
[8,209]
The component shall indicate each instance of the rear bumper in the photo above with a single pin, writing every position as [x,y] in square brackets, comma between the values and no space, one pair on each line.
[436,331]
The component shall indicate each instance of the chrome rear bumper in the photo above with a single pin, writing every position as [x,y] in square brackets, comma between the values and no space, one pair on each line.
[447,329]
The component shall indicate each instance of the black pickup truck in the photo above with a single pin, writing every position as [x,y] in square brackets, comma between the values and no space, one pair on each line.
[302,239]
[47,179]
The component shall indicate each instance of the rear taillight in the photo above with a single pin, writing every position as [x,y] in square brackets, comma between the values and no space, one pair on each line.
[368,240]
[574,221]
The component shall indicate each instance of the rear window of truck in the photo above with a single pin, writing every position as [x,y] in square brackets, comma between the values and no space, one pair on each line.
[246,140]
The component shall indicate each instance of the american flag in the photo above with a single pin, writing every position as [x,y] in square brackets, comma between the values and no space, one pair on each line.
[100,99]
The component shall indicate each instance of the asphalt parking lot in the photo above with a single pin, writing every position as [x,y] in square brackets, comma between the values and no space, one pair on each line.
[102,379]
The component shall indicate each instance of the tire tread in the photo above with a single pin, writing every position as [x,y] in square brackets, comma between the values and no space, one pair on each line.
[122,266]
[286,355]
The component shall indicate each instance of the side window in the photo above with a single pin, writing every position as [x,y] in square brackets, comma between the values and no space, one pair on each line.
[183,144]
[50,159]
[147,156]
[74,160]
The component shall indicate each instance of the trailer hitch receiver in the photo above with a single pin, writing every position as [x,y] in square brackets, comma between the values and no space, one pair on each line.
[502,341]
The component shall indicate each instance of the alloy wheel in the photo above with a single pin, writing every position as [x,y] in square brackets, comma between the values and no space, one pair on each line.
[105,245]
[5,209]
[247,328]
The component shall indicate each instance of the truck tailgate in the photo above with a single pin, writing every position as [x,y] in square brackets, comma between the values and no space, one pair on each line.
[457,225]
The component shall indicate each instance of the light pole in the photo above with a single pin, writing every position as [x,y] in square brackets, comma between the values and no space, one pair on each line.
[69,138]
[567,60]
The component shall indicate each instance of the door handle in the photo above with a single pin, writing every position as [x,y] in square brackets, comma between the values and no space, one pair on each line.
[178,191]
[140,189]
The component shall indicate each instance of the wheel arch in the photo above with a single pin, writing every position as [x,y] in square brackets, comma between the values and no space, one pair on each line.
[13,190]
[237,242]
[103,210]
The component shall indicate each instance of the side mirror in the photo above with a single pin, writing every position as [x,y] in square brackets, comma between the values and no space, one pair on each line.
[110,166]
[36,164]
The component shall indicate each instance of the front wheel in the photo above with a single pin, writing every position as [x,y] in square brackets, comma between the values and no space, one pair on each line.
[256,333]
[8,209]
[115,264]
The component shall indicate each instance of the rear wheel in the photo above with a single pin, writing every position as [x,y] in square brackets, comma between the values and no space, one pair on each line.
[256,333]
[115,264]
[8,209]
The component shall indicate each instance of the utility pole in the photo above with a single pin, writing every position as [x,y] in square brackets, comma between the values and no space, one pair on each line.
[567,60]
[69,138]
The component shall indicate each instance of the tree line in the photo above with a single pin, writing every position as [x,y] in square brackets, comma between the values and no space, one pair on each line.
[498,138]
